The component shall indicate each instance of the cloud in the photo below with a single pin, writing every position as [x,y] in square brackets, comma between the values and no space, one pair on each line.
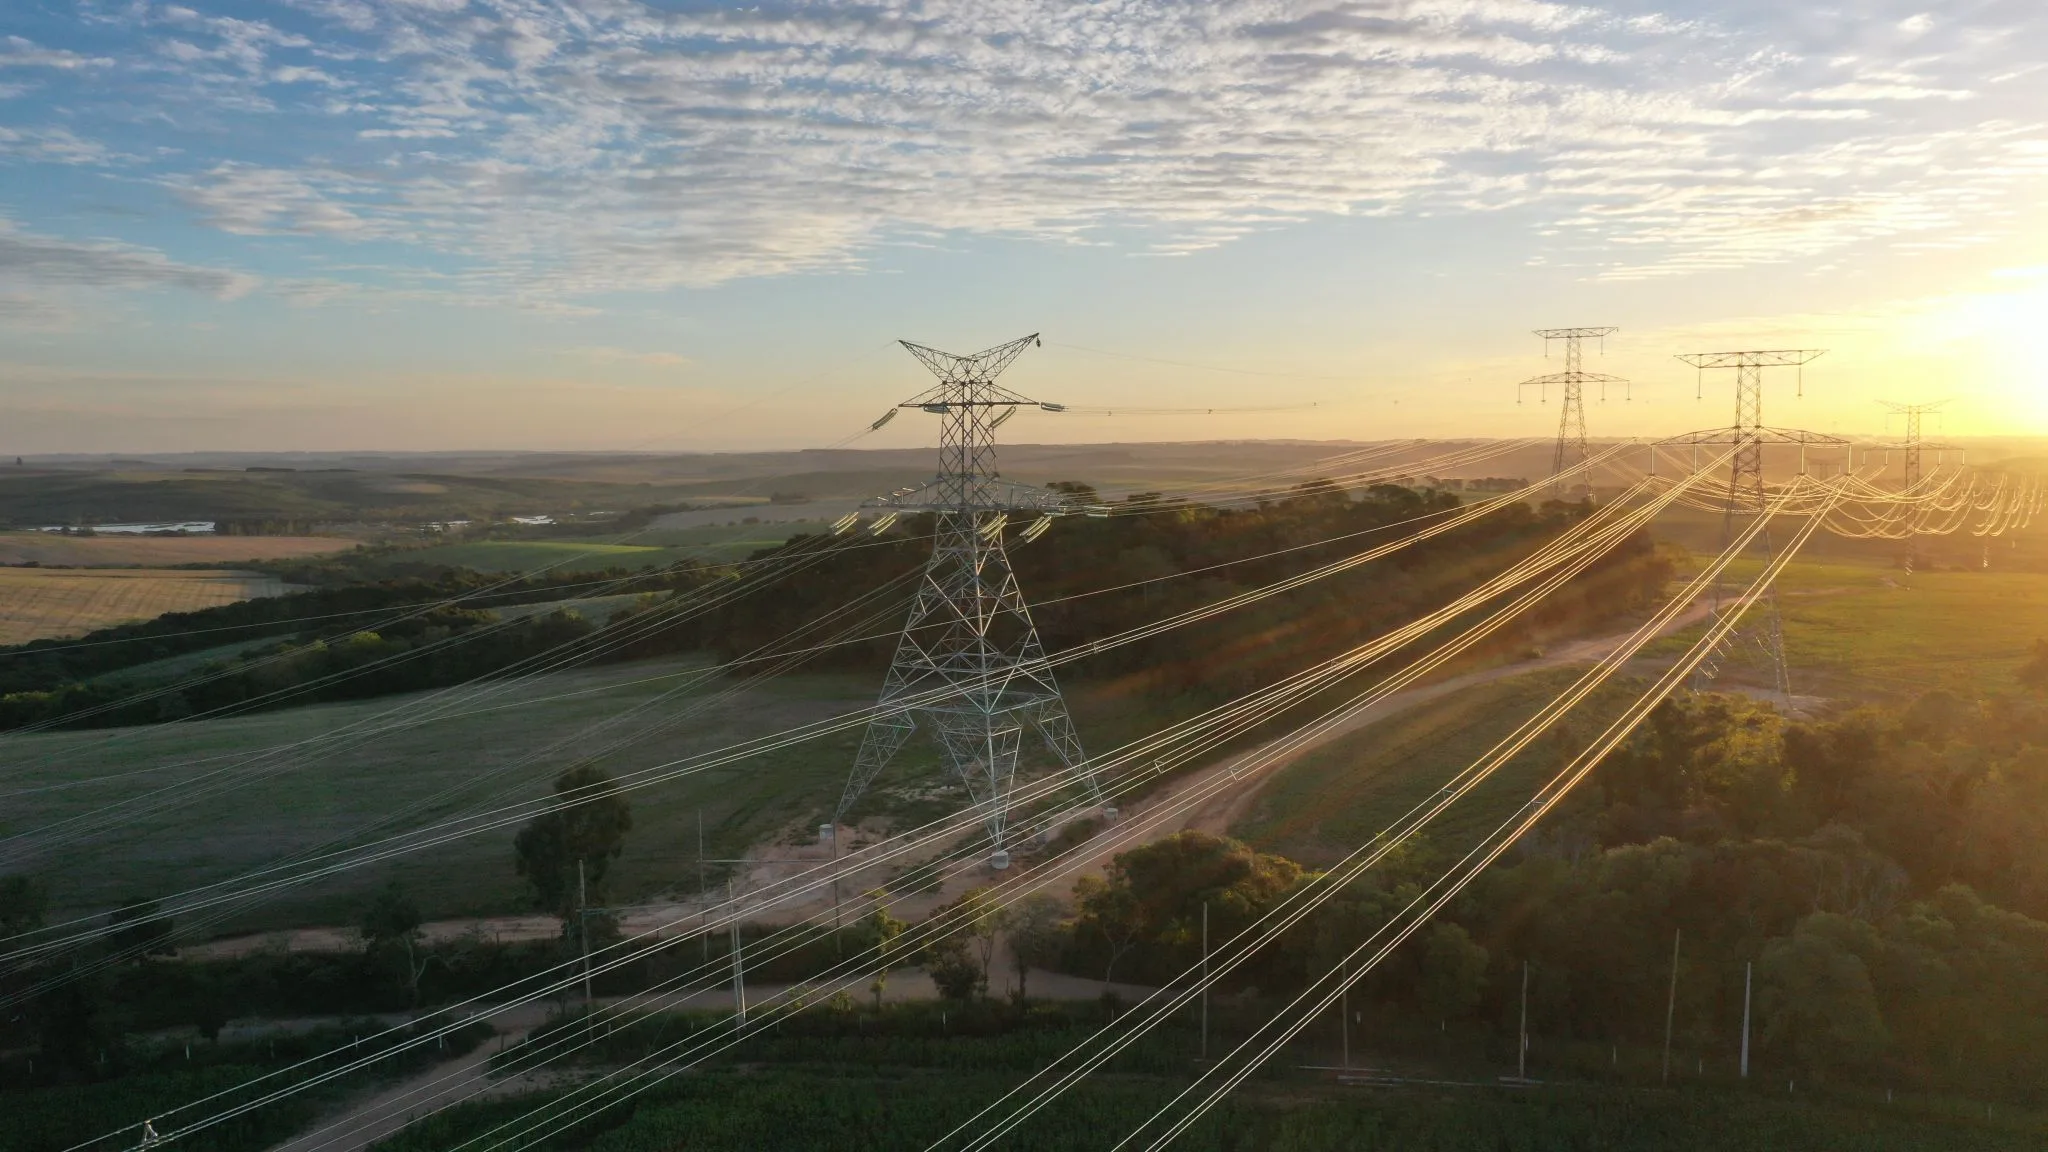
[16,52]
[52,146]
[551,149]
[46,262]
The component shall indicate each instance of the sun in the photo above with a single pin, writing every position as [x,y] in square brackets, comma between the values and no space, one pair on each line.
[2002,339]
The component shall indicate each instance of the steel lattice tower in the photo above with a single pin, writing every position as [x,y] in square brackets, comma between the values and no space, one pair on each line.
[1913,445]
[1571,420]
[1746,492]
[969,655]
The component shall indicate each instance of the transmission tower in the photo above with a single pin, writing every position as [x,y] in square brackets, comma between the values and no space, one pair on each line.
[1571,419]
[1913,445]
[1746,492]
[969,655]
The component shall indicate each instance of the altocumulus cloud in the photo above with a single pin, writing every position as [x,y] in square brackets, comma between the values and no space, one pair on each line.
[33,260]
[567,147]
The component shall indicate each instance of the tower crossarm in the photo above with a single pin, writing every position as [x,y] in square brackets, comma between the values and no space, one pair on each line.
[1575,333]
[1765,358]
[931,496]
[1751,435]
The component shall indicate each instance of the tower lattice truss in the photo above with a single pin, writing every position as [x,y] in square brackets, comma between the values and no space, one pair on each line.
[1747,493]
[969,667]
[1571,451]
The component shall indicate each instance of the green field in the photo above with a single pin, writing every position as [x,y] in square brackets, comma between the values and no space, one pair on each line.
[1864,630]
[650,549]
[501,747]
[1340,795]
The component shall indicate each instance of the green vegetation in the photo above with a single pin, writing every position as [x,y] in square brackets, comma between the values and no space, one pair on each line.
[509,746]
[1341,794]
[57,1105]
[852,1079]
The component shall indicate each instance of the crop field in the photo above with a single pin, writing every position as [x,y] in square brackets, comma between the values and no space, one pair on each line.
[649,549]
[43,603]
[553,555]
[55,550]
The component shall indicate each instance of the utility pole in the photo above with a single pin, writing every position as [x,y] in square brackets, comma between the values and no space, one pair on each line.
[1746,488]
[1522,1046]
[703,890]
[1671,1005]
[739,970]
[1747,967]
[1571,418]
[1344,1013]
[969,663]
[583,924]
[1205,981]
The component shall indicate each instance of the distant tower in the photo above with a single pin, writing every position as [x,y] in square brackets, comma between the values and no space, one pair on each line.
[969,655]
[1914,445]
[1571,419]
[1746,493]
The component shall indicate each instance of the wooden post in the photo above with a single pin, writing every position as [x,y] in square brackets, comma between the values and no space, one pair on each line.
[703,889]
[1205,980]
[1671,1004]
[1522,1045]
[583,930]
[1344,1013]
[1746,972]
[739,972]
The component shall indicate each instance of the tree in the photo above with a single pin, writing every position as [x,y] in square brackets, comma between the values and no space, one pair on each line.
[977,919]
[1817,997]
[2033,675]
[22,904]
[1111,912]
[390,928]
[1453,971]
[952,970]
[879,931]
[590,829]
[1036,935]
[136,931]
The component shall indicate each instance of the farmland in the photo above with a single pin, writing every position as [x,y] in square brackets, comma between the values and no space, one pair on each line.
[58,550]
[42,603]
[644,549]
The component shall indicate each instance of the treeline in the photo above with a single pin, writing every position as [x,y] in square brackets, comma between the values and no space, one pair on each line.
[1877,878]
[430,649]
[1089,578]
[433,633]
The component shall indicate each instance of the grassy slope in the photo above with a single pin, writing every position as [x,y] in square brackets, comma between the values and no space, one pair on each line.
[652,549]
[1860,629]
[311,799]
[1342,794]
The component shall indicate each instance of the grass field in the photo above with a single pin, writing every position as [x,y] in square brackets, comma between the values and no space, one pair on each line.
[55,550]
[649,549]
[44,603]
[1342,794]
[500,748]
[1872,631]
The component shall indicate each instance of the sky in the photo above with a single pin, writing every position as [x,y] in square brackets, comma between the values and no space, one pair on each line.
[600,224]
